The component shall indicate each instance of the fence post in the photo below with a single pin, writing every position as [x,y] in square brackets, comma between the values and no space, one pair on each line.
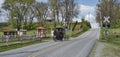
[7,39]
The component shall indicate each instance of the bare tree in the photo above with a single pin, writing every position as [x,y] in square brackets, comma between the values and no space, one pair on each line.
[29,17]
[65,9]
[109,8]
[41,11]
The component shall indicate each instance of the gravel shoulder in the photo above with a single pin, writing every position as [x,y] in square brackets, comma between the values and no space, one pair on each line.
[105,50]
[97,50]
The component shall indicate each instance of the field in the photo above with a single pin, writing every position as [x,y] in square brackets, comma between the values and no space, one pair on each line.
[112,41]
[113,36]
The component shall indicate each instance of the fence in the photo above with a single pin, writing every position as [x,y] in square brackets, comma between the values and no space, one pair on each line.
[6,39]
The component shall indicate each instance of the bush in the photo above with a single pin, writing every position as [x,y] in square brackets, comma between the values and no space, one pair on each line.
[111,38]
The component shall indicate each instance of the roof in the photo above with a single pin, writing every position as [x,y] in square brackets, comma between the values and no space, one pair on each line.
[41,28]
[9,30]
[23,30]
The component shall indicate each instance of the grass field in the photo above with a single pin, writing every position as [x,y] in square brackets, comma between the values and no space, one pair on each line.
[113,43]
[113,36]
[14,45]
[111,51]
[20,44]
[1,33]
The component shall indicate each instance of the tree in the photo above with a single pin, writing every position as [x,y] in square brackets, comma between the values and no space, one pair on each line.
[109,8]
[65,9]
[29,18]
[85,25]
[54,10]
[17,10]
[71,11]
[41,12]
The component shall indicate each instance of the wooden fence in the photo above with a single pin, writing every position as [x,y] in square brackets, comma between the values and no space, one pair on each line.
[7,39]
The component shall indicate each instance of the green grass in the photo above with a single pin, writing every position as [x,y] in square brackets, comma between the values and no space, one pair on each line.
[1,33]
[94,50]
[111,51]
[18,44]
[113,41]
[77,33]
[111,38]
[31,32]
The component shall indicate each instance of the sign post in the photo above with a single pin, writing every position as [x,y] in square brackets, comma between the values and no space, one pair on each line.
[106,21]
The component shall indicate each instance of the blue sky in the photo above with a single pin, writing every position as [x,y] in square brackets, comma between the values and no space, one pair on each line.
[88,2]
[42,0]
[85,2]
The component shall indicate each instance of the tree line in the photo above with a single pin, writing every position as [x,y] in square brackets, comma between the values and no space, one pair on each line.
[109,8]
[23,12]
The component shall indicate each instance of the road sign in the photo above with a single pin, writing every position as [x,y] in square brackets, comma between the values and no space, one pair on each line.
[106,19]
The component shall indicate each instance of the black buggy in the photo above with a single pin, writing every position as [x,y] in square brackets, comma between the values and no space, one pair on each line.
[59,33]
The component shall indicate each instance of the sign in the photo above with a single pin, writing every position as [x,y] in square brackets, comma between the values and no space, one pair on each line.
[106,25]
[106,19]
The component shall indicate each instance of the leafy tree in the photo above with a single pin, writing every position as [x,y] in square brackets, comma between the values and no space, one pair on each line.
[85,25]
[17,10]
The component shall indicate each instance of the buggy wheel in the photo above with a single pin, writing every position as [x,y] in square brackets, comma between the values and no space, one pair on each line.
[54,38]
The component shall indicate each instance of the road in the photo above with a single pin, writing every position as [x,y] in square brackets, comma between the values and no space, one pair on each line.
[76,47]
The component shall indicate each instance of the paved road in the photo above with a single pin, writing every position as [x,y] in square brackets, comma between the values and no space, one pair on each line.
[77,47]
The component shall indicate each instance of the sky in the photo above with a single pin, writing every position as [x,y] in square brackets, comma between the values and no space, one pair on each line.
[88,2]
[1,2]
[88,11]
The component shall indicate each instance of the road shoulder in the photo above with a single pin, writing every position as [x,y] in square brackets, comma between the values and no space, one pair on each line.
[97,50]
[102,49]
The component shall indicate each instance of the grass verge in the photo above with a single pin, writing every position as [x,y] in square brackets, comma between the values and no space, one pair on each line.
[111,51]
[93,50]
[79,33]
[113,44]
[111,38]
[18,44]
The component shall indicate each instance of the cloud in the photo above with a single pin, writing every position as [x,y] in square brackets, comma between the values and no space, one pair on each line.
[3,13]
[1,2]
[95,25]
[84,10]
[79,19]
[89,14]
[91,18]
